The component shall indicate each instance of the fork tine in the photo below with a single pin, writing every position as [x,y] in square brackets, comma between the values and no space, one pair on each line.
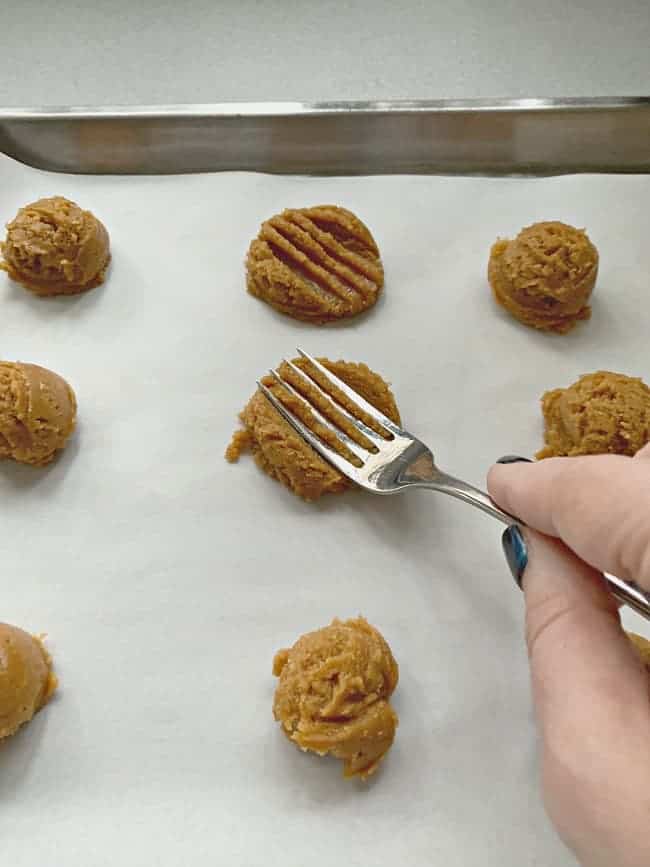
[354,396]
[368,432]
[309,436]
[355,448]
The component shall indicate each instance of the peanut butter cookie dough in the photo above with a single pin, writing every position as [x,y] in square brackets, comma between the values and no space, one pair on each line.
[601,413]
[642,647]
[38,411]
[55,248]
[26,678]
[333,694]
[281,452]
[315,264]
[545,276]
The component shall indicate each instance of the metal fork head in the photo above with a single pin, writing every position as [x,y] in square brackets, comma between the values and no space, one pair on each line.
[379,455]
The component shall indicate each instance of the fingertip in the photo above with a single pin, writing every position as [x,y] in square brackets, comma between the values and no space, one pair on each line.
[502,479]
[497,477]
[531,490]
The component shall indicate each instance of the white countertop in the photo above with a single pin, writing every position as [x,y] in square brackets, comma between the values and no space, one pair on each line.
[163,51]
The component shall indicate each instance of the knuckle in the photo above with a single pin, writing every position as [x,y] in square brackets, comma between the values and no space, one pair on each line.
[545,616]
[552,616]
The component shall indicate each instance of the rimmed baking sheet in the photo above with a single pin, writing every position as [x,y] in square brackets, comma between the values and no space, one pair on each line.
[507,136]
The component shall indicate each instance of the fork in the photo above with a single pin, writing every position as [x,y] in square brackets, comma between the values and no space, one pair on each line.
[395,460]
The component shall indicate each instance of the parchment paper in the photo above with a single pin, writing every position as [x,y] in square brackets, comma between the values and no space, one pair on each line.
[166,578]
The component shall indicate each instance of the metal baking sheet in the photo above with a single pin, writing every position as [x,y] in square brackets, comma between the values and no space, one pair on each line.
[166,579]
[525,136]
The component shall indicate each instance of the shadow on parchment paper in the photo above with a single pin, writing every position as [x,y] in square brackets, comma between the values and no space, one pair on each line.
[24,477]
[44,306]
[18,752]
[394,519]
[313,780]
[415,524]
[608,326]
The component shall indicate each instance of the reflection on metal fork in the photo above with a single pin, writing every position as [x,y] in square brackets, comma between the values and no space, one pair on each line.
[398,460]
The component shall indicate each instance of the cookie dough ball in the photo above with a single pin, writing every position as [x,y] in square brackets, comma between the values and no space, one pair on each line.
[281,452]
[55,248]
[642,647]
[333,692]
[601,413]
[545,276]
[26,678]
[315,264]
[38,410]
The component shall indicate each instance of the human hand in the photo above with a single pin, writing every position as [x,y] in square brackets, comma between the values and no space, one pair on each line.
[586,516]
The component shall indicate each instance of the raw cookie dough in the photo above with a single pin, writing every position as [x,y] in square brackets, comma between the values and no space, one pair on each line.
[26,678]
[642,647]
[37,412]
[602,412]
[281,452]
[55,248]
[333,692]
[545,276]
[315,264]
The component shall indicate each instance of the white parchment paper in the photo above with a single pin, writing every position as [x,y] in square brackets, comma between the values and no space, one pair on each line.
[166,578]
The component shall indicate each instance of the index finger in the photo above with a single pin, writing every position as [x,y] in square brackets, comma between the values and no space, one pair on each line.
[599,506]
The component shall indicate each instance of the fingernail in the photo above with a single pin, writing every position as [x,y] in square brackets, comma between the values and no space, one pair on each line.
[513,459]
[516,551]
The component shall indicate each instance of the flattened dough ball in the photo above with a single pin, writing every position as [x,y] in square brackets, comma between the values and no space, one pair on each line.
[38,411]
[600,413]
[281,452]
[545,276]
[26,678]
[315,264]
[333,694]
[54,248]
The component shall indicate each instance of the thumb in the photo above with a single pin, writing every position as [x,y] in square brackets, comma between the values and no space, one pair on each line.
[591,698]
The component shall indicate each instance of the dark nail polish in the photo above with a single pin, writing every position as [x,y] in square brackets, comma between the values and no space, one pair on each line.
[514,547]
[513,459]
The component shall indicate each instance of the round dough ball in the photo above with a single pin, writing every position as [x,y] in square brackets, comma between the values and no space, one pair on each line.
[545,276]
[601,413]
[38,410]
[55,248]
[26,678]
[281,452]
[315,264]
[333,691]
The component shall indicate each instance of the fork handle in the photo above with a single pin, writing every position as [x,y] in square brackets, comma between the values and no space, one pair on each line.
[627,592]
[447,484]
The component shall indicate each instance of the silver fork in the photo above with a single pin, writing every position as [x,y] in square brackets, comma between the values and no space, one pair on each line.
[398,460]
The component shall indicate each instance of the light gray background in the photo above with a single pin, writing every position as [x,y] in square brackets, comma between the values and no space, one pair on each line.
[163,51]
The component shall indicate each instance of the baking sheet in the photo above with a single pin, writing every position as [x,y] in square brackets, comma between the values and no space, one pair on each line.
[446,136]
[166,578]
